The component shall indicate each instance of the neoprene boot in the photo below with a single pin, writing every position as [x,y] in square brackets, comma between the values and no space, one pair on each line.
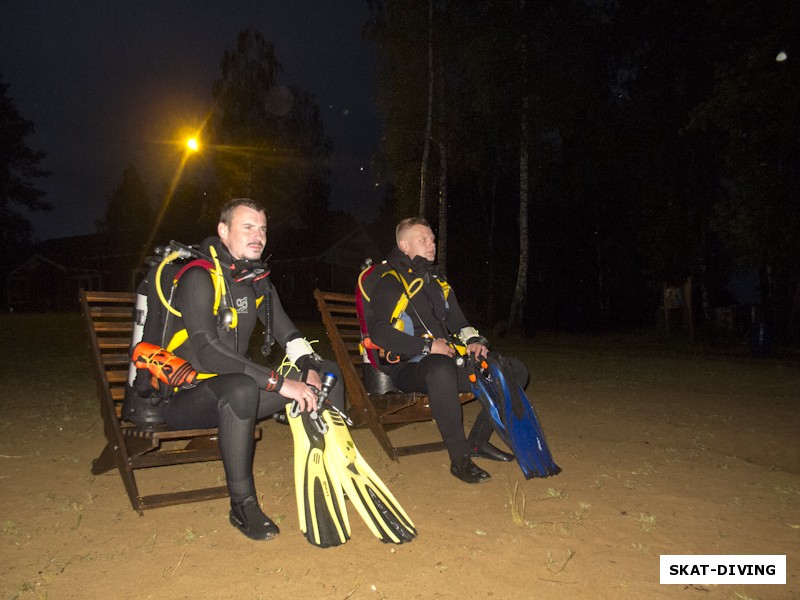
[248,518]
[467,471]
[488,450]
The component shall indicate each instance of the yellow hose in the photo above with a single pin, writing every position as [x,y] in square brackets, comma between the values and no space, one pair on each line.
[219,284]
[167,259]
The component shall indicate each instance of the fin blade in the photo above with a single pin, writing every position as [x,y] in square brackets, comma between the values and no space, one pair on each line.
[373,501]
[302,447]
[326,526]
[525,435]
[322,513]
[491,398]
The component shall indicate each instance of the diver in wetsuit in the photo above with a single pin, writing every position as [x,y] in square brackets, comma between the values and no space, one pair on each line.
[242,391]
[427,362]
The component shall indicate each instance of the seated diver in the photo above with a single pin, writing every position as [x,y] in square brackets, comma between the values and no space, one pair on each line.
[242,392]
[427,363]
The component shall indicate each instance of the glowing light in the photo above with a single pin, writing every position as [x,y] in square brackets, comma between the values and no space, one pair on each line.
[781,56]
[188,138]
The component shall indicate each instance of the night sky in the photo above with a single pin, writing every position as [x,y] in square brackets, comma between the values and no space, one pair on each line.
[109,84]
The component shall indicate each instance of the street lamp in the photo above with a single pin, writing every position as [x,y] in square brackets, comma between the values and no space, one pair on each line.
[191,146]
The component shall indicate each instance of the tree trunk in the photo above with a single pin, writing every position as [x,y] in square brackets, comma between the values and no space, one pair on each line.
[601,255]
[491,302]
[426,150]
[518,300]
[442,136]
[442,251]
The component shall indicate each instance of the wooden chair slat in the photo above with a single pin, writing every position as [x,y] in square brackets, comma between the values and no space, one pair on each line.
[105,343]
[109,322]
[380,413]
[104,327]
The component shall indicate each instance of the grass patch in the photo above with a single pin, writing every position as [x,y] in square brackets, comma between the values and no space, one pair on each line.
[48,359]
[10,529]
[580,513]
[646,521]
[517,504]
[557,493]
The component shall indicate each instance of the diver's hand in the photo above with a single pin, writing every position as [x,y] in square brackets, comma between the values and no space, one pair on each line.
[305,395]
[313,379]
[440,346]
[478,350]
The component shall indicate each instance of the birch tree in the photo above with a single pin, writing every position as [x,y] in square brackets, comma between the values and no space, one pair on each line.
[426,147]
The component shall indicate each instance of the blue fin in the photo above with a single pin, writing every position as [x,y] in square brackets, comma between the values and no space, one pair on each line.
[490,394]
[525,435]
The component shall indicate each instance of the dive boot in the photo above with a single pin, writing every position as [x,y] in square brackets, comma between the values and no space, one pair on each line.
[490,451]
[467,471]
[248,518]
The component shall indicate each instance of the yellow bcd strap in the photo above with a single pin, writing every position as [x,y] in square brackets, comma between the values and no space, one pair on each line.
[410,290]
[218,278]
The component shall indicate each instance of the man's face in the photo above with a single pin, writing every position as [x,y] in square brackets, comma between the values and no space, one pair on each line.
[418,241]
[246,236]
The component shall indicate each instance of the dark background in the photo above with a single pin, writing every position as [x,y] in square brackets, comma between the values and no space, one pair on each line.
[110,84]
[663,148]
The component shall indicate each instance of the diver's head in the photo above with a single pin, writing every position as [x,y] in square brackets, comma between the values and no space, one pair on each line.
[415,238]
[243,228]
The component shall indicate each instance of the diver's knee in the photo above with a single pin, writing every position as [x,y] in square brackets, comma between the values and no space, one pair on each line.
[439,367]
[240,392]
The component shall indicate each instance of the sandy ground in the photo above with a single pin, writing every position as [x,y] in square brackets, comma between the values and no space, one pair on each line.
[661,454]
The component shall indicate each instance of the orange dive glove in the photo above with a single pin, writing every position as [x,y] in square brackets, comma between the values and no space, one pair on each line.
[163,365]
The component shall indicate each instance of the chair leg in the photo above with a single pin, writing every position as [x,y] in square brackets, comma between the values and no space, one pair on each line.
[113,456]
[106,461]
[129,479]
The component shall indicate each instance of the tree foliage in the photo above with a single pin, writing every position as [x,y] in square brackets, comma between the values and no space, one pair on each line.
[269,139]
[752,115]
[400,29]
[663,142]
[19,168]
[486,92]
[129,206]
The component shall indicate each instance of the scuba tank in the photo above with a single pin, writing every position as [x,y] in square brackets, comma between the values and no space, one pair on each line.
[139,318]
[150,320]
[137,407]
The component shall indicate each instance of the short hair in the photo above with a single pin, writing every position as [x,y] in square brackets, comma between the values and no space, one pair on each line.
[226,214]
[407,224]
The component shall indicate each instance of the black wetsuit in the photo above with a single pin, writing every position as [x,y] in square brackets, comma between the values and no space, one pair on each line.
[236,398]
[437,375]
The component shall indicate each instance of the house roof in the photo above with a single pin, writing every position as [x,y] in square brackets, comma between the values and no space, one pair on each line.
[289,239]
[33,263]
[84,252]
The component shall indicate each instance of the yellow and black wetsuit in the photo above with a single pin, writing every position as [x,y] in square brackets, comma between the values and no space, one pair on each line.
[238,395]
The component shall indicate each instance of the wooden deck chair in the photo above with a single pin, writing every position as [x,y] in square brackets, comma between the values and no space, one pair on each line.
[109,321]
[381,413]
